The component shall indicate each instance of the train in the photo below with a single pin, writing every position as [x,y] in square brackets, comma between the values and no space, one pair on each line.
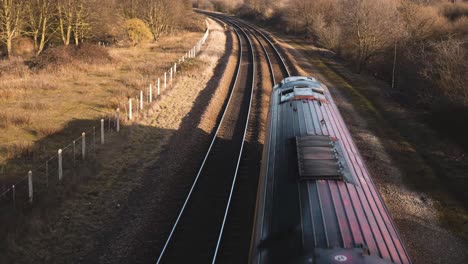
[316,201]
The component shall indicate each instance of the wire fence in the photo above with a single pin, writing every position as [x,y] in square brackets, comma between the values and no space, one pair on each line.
[64,166]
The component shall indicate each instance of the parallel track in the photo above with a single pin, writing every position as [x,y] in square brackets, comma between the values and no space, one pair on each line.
[197,234]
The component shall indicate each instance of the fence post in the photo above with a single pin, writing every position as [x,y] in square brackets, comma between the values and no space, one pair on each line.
[158,85]
[102,131]
[13,189]
[30,185]
[175,69]
[117,120]
[171,76]
[150,93]
[130,116]
[83,145]
[141,100]
[165,80]
[60,167]
[74,153]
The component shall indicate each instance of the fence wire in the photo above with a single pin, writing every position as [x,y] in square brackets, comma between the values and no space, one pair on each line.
[63,167]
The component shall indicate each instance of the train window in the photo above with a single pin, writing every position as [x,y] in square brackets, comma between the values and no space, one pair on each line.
[321,158]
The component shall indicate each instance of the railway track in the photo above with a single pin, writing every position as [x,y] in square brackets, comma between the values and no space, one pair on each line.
[214,224]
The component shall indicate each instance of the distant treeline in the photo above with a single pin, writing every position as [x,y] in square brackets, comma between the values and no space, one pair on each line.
[43,22]
[417,46]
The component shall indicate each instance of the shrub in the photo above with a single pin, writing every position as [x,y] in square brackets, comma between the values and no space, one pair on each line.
[23,47]
[13,66]
[138,31]
[59,56]
[454,11]
[91,54]
[448,67]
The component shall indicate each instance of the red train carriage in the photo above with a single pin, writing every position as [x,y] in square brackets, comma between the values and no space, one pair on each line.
[316,201]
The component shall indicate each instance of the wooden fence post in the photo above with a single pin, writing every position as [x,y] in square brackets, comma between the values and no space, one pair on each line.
[30,185]
[60,165]
[102,131]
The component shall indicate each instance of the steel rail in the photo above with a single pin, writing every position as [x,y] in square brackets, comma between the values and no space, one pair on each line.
[270,66]
[239,62]
[284,64]
[241,150]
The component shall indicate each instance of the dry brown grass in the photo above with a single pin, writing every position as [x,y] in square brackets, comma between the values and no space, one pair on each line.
[9,119]
[38,103]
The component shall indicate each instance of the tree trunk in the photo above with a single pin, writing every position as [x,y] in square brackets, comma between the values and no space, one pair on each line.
[9,46]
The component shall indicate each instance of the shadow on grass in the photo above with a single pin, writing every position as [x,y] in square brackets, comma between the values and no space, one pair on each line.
[105,200]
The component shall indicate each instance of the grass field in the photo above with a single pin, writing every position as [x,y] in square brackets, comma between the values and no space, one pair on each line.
[37,104]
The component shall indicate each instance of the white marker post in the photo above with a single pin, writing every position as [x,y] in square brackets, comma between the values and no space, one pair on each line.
[175,69]
[165,80]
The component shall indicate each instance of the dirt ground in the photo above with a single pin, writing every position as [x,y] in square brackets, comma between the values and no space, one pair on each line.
[123,213]
[420,215]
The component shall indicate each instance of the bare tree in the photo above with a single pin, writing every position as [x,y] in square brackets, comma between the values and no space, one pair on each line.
[11,12]
[65,10]
[81,26]
[445,62]
[369,27]
[39,16]
[158,17]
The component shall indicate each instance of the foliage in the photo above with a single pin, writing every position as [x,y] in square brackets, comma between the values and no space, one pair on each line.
[138,31]
[418,46]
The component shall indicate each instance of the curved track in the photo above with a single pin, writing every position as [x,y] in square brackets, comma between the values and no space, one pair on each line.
[214,208]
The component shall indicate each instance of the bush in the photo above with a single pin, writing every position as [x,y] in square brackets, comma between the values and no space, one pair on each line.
[23,47]
[454,11]
[138,31]
[59,56]
[447,67]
